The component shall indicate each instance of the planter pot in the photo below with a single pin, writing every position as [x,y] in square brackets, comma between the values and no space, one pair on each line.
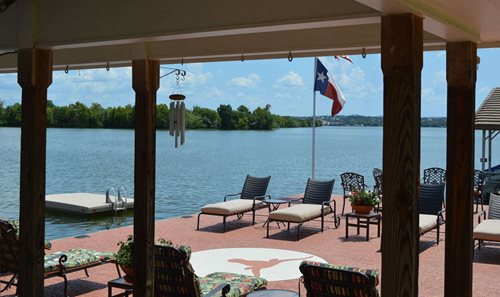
[362,209]
[129,273]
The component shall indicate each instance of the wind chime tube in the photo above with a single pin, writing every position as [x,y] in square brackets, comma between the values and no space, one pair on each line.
[171,119]
[176,128]
[183,122]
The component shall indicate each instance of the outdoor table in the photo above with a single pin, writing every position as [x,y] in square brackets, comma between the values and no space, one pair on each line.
[120,283]
[362,221]
[273,204]
[273,293]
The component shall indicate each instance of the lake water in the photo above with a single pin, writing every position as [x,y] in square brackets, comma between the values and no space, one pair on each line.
[210,165]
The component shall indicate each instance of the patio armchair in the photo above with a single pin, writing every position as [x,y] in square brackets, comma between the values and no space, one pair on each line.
[316,203]
[250,199]
[174,276]
[55,264]
[431,208]
[477,196]
[434,175]
[489,230]
[351,182]
[322,279]
[377,188]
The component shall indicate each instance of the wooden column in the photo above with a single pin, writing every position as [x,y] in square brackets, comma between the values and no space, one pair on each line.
[34,76]
[402,51]
[145,81]
[461,75]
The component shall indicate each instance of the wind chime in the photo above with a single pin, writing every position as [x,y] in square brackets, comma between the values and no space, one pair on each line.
[177,115]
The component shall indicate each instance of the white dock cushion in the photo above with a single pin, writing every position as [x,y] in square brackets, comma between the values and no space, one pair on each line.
[426,223]
[231,207]
[298,213]
[488,230]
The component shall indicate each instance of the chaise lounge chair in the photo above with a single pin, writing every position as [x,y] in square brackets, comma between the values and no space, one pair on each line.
[174,276]
[321,279]
[489,230]
[251,196]
[316,203]
[56,264]
[431,208]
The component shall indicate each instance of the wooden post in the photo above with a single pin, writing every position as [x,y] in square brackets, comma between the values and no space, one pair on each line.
[461,75]
[34,77]
[145,81]
[402,55]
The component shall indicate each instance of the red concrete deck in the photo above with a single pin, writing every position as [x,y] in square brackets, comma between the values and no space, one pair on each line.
[330,245]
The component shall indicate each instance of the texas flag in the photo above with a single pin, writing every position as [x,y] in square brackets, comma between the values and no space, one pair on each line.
[325,84]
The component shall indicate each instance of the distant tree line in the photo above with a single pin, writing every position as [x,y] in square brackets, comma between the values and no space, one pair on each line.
[368,121]
[78,115]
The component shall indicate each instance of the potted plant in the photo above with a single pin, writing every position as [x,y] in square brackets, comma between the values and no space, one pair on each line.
[363,201]
[124,256]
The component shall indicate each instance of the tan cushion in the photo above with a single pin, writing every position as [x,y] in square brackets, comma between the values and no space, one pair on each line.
[426,223]
[298,213]
[231,207]
[488,230]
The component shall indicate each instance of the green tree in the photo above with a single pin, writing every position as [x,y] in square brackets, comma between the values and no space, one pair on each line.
[162,116]
[12,115]
[263,119]
[209,118]
[1,112]
[226,117]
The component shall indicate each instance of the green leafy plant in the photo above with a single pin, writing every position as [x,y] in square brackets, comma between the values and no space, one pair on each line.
[363,197]
[124,255]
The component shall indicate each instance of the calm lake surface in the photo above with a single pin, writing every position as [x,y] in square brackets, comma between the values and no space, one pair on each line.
[210,165]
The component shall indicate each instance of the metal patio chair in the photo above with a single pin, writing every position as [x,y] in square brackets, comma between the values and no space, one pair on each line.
[434,175]
[351,182]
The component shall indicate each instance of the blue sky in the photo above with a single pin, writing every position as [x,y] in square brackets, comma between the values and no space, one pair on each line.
[287,86]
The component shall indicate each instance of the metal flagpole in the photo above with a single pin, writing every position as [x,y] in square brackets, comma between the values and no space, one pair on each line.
[314,120]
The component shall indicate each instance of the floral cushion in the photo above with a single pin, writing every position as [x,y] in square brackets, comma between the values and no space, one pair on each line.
[320,278]
[258,282]
[240,284]
[76,258]
[15,224]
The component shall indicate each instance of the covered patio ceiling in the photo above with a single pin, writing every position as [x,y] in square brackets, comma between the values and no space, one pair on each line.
[93,33]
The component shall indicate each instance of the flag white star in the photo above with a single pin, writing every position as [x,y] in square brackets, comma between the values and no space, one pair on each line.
[322,77]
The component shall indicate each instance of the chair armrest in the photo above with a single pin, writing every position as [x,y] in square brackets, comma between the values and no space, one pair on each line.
[220,290]
[262,197]
[479,214]
[230,195]
[440,214]
[295,200]
[329,203]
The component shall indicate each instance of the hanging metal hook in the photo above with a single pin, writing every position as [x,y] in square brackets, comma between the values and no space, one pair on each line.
[290,57]
[182,61]
[242,58]
[107,66]
[363,53]
[66,70]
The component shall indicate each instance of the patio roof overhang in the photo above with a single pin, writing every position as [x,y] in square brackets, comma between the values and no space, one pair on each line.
[92,33]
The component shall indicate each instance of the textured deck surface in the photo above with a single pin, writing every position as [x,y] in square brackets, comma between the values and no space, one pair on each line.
[330,245]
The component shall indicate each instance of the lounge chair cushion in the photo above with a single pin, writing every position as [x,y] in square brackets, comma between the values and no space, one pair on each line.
[76,259]
[299,213]
[231,207]
[240,284]
[371,273]
[488,230]
[426,223]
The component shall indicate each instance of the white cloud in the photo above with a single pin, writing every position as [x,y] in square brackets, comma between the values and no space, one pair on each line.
[197,78]
[290,80]
[250,81]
